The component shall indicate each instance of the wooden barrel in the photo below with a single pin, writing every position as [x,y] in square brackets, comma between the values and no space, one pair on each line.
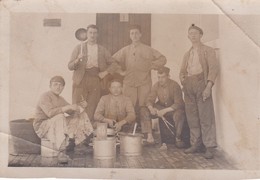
[23,138]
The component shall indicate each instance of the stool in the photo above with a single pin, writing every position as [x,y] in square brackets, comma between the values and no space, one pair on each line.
[48,149]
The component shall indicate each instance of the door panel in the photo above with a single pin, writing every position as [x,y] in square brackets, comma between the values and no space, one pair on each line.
[114,34]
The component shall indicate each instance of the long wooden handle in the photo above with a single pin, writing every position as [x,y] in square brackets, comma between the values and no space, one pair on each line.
[134,128]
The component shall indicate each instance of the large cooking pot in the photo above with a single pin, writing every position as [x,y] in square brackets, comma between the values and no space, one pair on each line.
[104,152]
[130,145]
[104,149]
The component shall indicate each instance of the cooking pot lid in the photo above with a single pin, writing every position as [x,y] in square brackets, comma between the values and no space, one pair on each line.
[79,32]
[130,134]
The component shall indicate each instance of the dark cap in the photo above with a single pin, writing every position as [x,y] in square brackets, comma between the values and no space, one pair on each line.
[93,26]
[58,79]
[164,69]
[135,26]
[115,80]
[193,26]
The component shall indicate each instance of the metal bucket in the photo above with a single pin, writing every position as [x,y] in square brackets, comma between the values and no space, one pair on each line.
[130,145]
[104,163]
[104,152]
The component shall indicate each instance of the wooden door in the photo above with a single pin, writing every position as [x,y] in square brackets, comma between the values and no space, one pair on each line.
[114,32]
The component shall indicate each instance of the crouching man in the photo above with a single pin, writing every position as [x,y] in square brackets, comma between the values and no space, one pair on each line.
[116,109]
[169,109]
[52,124]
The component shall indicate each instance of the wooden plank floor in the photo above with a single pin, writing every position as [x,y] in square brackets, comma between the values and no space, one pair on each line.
[152,158]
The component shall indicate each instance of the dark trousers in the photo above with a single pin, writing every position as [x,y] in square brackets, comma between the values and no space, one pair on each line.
[90,89]
[176,118]
[200,114]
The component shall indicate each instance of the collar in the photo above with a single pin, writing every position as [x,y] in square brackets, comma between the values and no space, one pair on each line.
[199,47]
[165,85]
[53,94]
[115,97]
[136,45]
[89,44]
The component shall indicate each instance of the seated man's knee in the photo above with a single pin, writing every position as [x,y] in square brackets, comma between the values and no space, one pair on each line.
[179,116]
[144,113]
[58,117]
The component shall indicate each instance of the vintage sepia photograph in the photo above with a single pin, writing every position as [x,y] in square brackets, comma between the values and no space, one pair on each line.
[133,90]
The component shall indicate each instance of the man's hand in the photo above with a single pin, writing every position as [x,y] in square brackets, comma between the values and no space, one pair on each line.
[80,57]
[73,107]
[207,91]
[110,122]
[83,104]
[119,125]
[152,110]
[162,112]
[182,78]
[122,73]
[102,74]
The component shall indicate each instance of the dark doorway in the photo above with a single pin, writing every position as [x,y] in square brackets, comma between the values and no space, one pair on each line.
[114,33]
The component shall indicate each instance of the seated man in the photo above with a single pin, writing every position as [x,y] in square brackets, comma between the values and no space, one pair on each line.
[169,107]
[51,124]
[116,109]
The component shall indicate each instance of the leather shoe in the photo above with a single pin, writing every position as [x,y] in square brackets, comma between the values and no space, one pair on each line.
[180,144]
[191,150]
[71,145]
[208,154]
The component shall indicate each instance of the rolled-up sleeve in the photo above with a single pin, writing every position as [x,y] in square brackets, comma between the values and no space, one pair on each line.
[159,60]
[178,100]
[183,71]
[120,57]
[213,65]
[74,56]
[47,107]
[111,62]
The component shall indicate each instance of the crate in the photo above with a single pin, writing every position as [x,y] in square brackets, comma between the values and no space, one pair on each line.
[23,139]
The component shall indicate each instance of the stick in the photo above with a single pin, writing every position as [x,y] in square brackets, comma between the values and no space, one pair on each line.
[168,122]
[164,120]
[81,48]
[82,98]
[134,128]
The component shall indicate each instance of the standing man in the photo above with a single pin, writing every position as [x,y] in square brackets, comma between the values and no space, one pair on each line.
[116,109]
[90,63]
[198,73]
[137,60]
[52,124]
[169,107]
